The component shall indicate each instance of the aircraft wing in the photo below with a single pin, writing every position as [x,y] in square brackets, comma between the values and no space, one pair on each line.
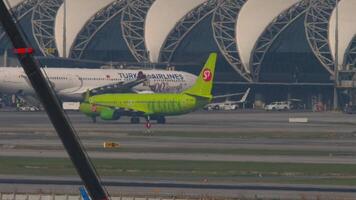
[124,111]
[234,94]
[228,95]
[75,90]
[120,87]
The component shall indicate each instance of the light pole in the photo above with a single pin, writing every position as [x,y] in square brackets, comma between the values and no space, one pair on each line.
[64,29]
[5,58]
[336,67]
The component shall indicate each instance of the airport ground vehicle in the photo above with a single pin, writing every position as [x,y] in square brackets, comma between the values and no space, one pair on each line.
[278,105]
[28,108]
[296,104]
[350,109]
[71,105]
[229,105]
[222,106]
[291,104]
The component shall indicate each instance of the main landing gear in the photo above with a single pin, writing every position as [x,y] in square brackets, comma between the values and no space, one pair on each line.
[161,120]
[135,120]
[148,125]
[93,118]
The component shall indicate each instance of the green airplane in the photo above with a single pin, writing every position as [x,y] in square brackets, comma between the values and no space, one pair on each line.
[153,106]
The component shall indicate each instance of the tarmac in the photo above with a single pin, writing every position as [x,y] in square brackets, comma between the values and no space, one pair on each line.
[329,131]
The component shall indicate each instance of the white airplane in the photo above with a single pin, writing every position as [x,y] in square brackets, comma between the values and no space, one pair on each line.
[71,83]
[229,105]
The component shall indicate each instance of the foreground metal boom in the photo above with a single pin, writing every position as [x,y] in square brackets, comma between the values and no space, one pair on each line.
[53,108]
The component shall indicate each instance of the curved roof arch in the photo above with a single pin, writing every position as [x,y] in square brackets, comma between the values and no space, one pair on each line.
[75,21]
[184,26]
[317,29]
[133,27]
[263,13]
[194,48]
[14,3]
[43,19]
[350,55]
[93,26]
[20,8]
[161,19]
[272,32]
[224,28]
[347,28]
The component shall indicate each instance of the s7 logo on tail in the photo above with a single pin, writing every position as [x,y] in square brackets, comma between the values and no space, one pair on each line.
[207,75]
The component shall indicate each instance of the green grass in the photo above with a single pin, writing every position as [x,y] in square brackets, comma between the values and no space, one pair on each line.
[97,134]
[229,151]
[126,167]
[232,172]
[235,151]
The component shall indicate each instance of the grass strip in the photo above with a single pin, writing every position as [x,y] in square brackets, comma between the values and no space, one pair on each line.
[127,167]
[233,151]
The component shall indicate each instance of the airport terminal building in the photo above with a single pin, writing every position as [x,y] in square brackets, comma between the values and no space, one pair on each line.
[282,49]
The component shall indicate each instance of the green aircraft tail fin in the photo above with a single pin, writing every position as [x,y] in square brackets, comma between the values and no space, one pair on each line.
[204,82]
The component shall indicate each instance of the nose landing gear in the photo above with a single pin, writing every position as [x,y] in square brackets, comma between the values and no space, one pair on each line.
[148,125]
[135,120]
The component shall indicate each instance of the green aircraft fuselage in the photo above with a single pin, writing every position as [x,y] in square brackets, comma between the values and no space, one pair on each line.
[148,104]
[113,106]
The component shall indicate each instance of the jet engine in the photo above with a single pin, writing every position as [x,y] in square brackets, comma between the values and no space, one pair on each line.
[109,114]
